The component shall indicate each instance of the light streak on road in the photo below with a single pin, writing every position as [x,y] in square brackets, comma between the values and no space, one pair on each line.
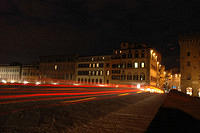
[85,99]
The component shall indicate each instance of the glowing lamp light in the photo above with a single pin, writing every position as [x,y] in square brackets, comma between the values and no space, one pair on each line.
[151,51]
[148,89]
[101,85]
[3,81]
[37,83]
[138,86]
[25,82]
[54,83]
[12,81]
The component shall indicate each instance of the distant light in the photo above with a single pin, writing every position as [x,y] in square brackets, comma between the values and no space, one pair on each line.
[148,89]
[25,82]
[138,86]
[56,67]
[117,86]
[142,89]
[12,81]
[37,83]
[3,81]
[151,51]
[101,85]
[54,83]
[75,84]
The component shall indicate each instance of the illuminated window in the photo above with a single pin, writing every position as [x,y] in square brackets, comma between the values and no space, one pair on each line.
[189,91]
[97,64]
[56,67]
[101,72]
[93,65]
[89,72]
[136,64]
[97,73]
[142,64]
[93,72]
[103,58]
[199,92]
[90,65]
[108,73]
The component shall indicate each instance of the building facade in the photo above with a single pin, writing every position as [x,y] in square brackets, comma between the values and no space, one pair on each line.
[93,69]
[10,73]
[173,79]
[135,63]
[30,73]
[59,67]
[190,64]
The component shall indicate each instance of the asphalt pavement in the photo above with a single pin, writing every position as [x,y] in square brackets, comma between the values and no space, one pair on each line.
[76,109]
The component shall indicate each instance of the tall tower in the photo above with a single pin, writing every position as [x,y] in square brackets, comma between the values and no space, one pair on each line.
[190,64]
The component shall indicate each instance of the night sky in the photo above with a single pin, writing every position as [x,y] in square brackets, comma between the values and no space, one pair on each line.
[31,28]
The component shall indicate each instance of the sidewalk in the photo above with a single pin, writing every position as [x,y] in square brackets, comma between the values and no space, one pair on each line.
[179,113]
[132,119]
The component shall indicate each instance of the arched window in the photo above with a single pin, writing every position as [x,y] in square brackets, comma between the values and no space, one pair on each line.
[85,80]
[129,65]
[143,54]
[189,91]
[135,77]
[136,65]
[124,56]
[142,76]
[92,80]
[136,54]
[142,64]
[129,76]
[100,81]
[96,80]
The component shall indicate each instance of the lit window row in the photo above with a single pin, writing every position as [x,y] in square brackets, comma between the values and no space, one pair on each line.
[85,80]
[129,77]
[94,65]
[93,73]
[130,65]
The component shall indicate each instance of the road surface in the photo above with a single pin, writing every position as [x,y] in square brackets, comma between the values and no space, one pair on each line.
[76,109]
